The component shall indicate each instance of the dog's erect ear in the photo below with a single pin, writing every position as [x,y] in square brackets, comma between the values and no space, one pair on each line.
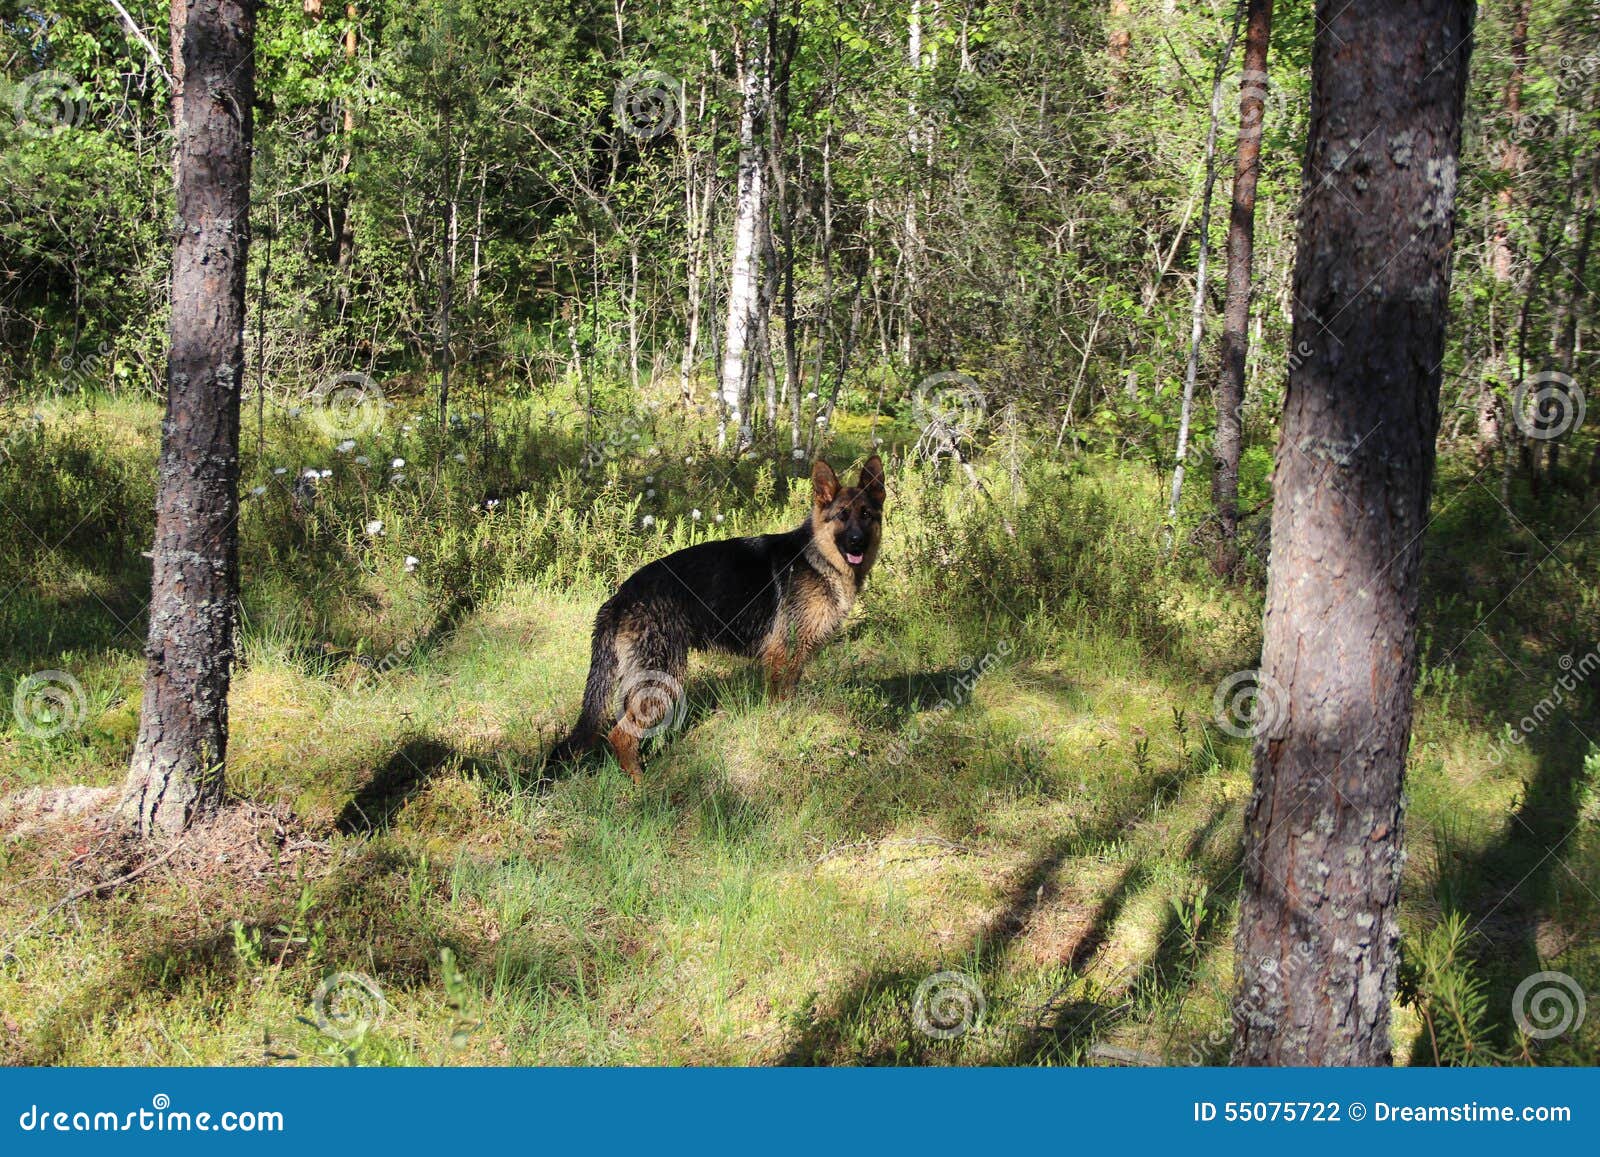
[871,480]
[824,482]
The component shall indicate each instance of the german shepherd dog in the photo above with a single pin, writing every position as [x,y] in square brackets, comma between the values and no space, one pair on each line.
[776,597]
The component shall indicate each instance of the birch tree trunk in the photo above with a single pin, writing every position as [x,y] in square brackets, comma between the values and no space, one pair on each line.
[697,228]
[176,775]
[1317,949]
[913,240]
[744,287]
[1202,265]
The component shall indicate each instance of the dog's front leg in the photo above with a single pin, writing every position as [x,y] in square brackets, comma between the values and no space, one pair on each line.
[776,661]
[784,664]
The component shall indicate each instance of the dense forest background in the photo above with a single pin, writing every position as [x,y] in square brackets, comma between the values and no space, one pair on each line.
[531,194]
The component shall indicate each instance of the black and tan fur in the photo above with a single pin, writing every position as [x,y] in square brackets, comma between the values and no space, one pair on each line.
[776,597]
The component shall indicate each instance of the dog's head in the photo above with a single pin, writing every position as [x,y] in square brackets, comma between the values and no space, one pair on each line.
[848,520]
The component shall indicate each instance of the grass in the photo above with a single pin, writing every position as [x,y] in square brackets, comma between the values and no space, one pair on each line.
[795,880]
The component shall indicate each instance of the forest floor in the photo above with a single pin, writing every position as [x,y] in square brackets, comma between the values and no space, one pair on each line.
[998,823]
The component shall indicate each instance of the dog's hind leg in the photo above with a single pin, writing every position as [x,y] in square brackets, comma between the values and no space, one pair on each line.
[652,695]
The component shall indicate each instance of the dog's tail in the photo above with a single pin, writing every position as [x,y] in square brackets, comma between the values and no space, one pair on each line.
[595,716]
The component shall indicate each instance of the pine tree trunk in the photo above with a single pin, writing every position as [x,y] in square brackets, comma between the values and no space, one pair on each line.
[1502,250]
[1316,954]
[1119,39]
[1236,311]
[176,775]
[1502,256]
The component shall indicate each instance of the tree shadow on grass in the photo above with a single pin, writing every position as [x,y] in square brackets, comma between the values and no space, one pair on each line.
[850,1032]
[366,922]
[1507,887]
[1065,1031]
[1502,664]
[420,760]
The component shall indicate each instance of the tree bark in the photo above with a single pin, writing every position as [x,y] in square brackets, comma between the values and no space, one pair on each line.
[697,230]
[1236,311]
[778,121]
[1119,39]
[744,288]
[1316,953]
[1502,256]
[1566,322]
[1203,242]
[344,232]
[176,775]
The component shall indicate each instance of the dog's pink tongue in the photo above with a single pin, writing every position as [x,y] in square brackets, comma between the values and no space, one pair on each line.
[853,559]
